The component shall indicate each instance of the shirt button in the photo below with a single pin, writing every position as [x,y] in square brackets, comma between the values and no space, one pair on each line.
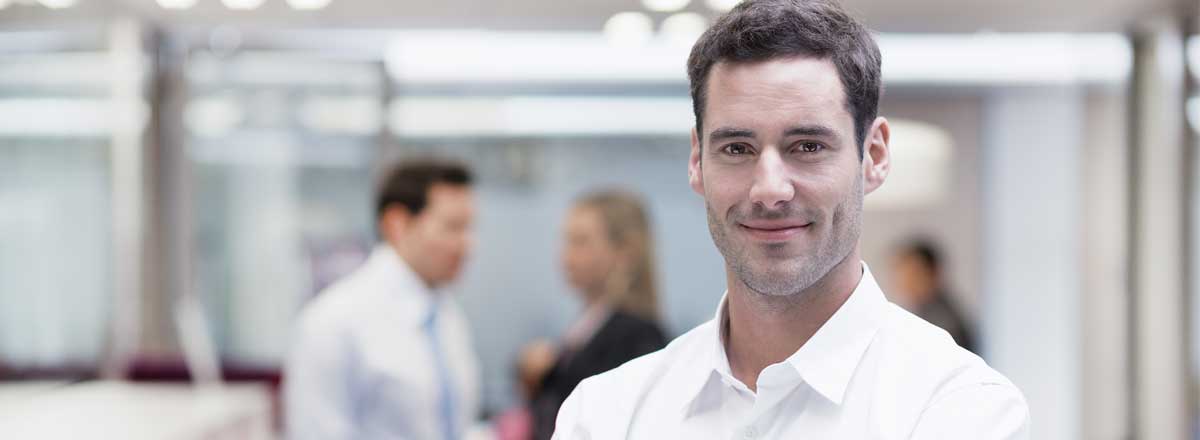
[750,433]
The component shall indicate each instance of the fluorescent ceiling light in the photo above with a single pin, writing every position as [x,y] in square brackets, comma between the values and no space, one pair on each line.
[57,4]
[176,4]
[54,117]
[308,5]
[942,59]
[665,5]
[629,28]
[539,116]
[352,115]
[1012,59]
[242,5]
[722,5]
[215,116]
[684,28]
[548,57]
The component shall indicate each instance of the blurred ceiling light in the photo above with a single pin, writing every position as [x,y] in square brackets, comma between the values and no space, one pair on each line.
[4,3]
[57,4]
[1018,58]
[665,5]
[684,28]
[213,117]
[56,117]
[242,5]
[939,59]
[629,28]
[353,115]
[177,4]
[308,5]
[721,5]
[519,116]
[551,57]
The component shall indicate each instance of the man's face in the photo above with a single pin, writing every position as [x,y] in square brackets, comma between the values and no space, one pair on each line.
[780,172]
[439,238]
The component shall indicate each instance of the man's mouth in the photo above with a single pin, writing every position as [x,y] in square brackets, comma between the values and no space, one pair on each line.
[774,230]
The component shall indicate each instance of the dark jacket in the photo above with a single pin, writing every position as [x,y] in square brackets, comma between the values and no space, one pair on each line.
[623,337]
[942,312]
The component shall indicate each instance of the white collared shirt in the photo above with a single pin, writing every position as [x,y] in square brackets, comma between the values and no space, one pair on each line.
[361,367]
[873,371]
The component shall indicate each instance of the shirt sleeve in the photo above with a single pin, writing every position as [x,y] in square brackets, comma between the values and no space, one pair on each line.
[317,390]
[983,411]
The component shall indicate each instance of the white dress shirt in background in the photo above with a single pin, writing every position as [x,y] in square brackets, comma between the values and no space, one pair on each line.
[873,371]
[361,367]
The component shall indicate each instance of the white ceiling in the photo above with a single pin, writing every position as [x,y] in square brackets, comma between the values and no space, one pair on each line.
[882,15]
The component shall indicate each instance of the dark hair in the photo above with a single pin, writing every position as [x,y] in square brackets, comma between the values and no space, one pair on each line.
[408,183]
[926,251]
[760,30]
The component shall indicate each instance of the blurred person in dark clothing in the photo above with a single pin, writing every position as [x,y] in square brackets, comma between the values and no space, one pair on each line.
[921,288]
[608,258]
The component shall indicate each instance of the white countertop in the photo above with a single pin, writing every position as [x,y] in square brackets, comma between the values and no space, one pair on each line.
[134,411]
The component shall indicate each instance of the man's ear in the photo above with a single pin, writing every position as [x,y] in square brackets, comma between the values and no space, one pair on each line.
[877,155]
[395,222]
[695,178]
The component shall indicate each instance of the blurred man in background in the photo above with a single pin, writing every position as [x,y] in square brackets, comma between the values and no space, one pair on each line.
[920,288]
[382,354]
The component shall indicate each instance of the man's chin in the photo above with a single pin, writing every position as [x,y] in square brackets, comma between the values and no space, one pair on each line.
[774,283]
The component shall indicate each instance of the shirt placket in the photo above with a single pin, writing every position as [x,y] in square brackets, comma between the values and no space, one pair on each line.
[777,385]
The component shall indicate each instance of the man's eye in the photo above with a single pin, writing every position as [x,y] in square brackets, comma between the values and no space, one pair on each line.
[810,147]
[737,149]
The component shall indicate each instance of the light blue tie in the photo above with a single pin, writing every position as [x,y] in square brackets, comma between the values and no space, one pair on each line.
[446,404]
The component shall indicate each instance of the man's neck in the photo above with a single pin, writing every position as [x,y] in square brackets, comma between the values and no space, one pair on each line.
[407,257]
[765,330]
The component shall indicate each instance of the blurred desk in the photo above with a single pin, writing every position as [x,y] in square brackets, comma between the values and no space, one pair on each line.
[134,411]
[13,394]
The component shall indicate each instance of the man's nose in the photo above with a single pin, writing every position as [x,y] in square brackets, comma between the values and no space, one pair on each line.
[772,184]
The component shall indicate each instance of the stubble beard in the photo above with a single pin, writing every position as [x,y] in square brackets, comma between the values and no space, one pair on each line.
[781,275]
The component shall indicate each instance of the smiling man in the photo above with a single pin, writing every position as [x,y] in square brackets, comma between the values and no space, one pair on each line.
[804,345]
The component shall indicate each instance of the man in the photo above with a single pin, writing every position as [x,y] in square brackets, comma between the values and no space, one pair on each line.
[381,354]
[917,269]
[803,345]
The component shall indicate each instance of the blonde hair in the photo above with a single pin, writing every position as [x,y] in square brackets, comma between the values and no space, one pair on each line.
[631,288]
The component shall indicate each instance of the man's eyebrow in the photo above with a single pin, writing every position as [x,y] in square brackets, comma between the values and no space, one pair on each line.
[811,130]
[729,132]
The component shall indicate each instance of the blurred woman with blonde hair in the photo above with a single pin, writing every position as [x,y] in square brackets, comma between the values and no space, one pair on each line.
[608,257]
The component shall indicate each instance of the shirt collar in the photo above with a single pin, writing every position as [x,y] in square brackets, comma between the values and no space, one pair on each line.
[829,359]
[826,362]
[396,280]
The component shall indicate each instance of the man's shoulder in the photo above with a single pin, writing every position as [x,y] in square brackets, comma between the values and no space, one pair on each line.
[928,356]
[951,391]
[336,305]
